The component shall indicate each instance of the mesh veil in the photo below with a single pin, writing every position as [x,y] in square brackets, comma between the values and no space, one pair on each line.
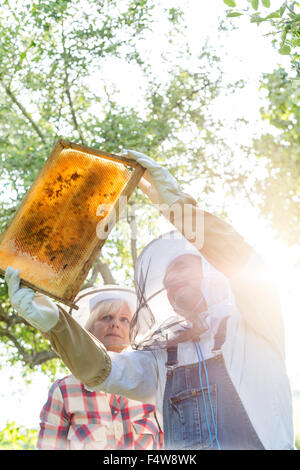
[156,325]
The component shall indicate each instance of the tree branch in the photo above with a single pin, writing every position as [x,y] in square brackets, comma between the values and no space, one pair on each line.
[33,359]
[39,358]
[103,269]
[133,230]
[21,350]
[11,320]
[68,92]
[106,273]
[23,110]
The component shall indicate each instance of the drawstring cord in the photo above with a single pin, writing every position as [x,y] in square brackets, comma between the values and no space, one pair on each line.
[197,345]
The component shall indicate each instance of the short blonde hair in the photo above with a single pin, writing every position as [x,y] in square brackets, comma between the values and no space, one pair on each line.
[104,307]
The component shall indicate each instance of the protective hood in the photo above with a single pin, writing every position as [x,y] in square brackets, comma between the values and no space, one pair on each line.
[156,323]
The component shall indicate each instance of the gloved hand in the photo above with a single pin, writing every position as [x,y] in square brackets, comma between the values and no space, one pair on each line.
[167,188]
[37,309]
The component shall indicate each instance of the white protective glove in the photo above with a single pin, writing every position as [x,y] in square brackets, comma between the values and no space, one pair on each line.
[165,184]
[37,309]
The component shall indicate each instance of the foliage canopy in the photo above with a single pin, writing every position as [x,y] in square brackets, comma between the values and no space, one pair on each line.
[56,82]
[284,23]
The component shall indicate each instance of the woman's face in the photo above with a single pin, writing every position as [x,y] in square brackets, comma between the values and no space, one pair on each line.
[183,284]
[112,328]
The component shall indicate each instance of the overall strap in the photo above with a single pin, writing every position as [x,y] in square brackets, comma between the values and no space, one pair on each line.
[172,356]
[220,336]
[172,360]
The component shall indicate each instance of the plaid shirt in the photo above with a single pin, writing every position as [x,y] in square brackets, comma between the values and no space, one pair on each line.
[74,418]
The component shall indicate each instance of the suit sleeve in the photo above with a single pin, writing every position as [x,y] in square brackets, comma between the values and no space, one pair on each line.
[82,353]
[255,292]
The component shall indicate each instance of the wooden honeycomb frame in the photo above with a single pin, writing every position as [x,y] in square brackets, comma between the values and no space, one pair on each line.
[121,168]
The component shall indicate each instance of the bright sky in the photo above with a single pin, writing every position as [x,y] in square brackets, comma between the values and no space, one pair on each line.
[248,55]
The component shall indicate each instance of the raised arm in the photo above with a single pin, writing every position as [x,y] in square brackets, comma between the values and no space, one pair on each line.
[224,248]
[219,243]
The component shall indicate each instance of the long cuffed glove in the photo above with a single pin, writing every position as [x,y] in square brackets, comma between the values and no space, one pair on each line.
[165,184]
[37,309]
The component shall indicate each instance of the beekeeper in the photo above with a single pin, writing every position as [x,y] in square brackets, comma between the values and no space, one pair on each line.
[208,333]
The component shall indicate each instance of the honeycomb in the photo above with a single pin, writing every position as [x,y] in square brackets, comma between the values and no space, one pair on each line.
[53,232]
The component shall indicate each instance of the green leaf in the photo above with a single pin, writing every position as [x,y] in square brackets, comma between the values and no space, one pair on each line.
[233,14]
[257,19]
[282,8]
[254,4]
[230,3]
[275,14]
[285,50]
[266,3]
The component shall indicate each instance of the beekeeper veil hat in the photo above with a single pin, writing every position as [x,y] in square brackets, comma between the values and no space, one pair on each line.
[155,322]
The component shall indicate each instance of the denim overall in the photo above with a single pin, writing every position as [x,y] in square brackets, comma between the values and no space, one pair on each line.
[189,422]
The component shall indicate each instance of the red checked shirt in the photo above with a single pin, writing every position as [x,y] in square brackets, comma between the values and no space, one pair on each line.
[74,418]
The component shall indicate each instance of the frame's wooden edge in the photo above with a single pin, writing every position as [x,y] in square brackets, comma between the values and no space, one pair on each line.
[133,182]
[25,283]
[98,153]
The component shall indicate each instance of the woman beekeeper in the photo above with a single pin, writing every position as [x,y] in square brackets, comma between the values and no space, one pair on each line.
[74,418]
[208,333]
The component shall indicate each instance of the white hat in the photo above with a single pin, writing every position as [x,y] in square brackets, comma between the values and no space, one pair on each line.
[88,298]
